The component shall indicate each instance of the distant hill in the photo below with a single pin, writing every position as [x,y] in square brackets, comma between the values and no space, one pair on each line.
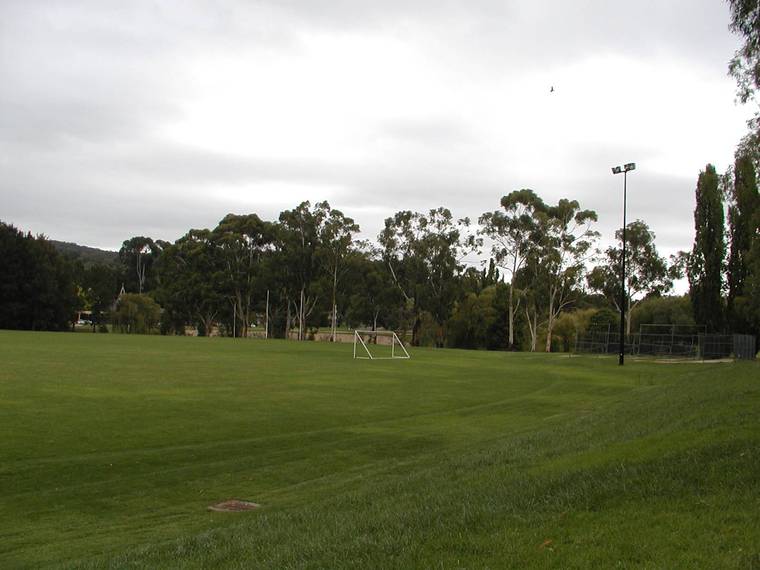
[87,255]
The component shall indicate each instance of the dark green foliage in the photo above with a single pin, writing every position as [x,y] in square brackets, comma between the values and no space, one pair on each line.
[424,254]
[336,239]
[744,262]
[374,300]
[480,319]
[138,255]
[193,284]
[101,284]
[745,66]
[136,314]
[663,311]
[748,306]
[561,242]
[234,264]
[37,289]
[604,319]
[473,280]
[646,272]
[299,249]
[706,262]
[511,233]
[743,214]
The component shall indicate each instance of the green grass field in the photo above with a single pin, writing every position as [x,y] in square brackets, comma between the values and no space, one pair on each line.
[112,447]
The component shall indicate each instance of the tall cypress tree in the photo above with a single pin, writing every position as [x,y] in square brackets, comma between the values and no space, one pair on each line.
[705,270]
[741,222]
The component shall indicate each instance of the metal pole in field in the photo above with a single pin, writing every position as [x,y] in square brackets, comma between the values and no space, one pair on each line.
[623,298]
[622,276]
[234,320]
[266,321]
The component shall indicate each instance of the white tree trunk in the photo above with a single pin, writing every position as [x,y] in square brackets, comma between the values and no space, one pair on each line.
[302,316]
[511,315]
[550,323]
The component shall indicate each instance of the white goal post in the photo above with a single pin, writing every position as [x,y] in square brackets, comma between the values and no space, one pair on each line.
[361,350]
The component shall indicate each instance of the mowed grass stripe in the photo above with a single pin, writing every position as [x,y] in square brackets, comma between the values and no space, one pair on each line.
[131,448]
[484,510]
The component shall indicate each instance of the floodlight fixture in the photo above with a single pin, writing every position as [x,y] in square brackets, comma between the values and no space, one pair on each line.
[630,166]
[616,170]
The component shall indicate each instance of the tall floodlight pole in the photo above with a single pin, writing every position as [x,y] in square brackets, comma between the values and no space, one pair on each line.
[623,298]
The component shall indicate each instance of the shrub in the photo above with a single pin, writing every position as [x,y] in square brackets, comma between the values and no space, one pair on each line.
[136,314]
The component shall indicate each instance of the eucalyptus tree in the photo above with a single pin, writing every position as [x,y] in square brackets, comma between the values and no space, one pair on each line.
[509,232]
[193,271]
[373,298]
[647,273]
[299,248]
[423,254]
[562,244]
[101,283]
[241,242]
[532,281]
[336,237]
[138,254]
[706,262]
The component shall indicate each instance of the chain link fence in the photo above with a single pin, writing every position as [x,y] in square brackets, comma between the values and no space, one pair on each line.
[668,341]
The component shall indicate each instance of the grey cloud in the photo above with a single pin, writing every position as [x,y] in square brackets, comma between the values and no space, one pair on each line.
[439,131]
[84,85]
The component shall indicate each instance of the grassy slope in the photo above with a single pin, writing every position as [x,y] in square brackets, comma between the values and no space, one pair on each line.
[113,446]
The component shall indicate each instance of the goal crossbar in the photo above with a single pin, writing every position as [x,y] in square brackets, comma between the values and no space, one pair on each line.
[395,341]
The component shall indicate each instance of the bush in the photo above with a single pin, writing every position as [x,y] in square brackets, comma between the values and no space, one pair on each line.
[479,320]
[429,333]
[662,311]
[569,324]
[136,314]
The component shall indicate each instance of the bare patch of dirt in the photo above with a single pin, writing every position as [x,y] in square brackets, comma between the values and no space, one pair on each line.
[233,506]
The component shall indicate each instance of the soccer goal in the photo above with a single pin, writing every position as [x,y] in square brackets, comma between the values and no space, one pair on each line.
[378,345]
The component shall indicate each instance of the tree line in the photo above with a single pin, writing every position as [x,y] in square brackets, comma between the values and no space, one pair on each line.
[544,280]
[307,269]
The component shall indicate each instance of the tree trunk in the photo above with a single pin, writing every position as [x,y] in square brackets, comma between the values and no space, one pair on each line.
[334,321]
[208,322]
[550,324]
[288,320]
[532,328]
[302,316]
[511,342]
[140,275]
[416,331]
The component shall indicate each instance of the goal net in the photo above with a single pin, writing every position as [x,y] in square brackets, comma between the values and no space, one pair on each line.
[378,345]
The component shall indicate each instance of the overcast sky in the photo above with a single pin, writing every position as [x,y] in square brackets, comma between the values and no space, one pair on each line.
[149,118]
